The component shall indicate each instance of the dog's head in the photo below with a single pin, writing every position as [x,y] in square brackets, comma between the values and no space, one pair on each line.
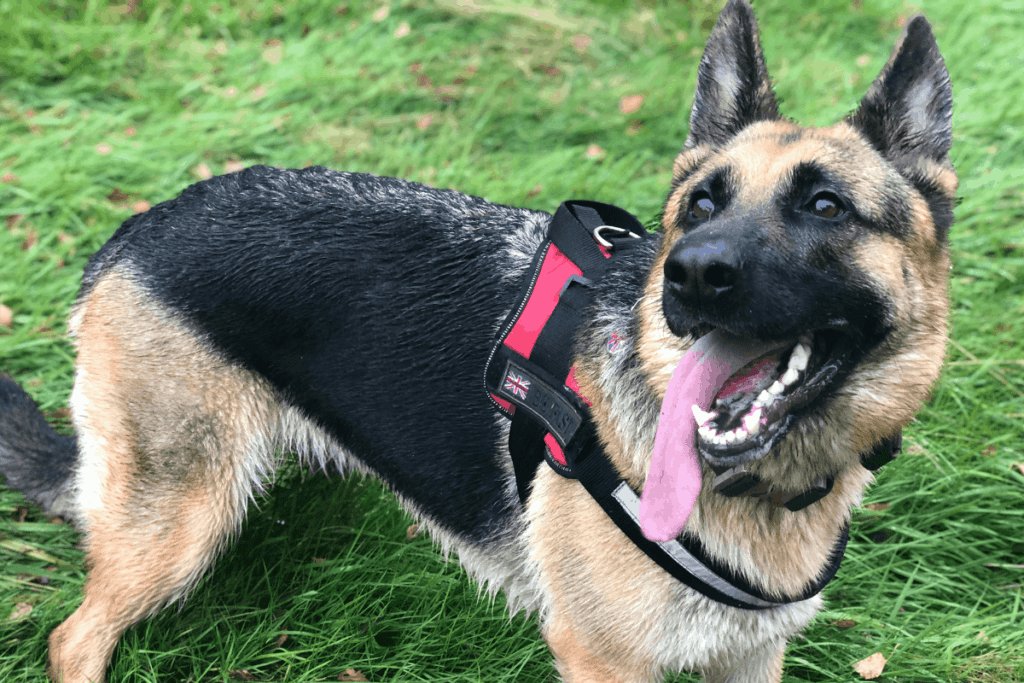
[829,241]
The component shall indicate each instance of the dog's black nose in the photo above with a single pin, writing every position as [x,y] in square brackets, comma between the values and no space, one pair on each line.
[698,275]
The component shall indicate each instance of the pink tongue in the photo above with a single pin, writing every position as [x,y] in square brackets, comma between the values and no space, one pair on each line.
[674,480]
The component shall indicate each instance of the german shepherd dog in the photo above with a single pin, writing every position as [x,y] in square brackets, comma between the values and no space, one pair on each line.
[348,318]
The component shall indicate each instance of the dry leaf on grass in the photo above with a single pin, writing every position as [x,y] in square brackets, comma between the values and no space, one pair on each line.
[21,610]
[273,52]
[581,43]
[233,166]
[104,149]
[844,624]
[871,667]
[381,14]
[630,103]
[413,531]
[201,171]
[6,316]
[1019,466]
[141,206]
[594,152]
[352,675]
[424,121]
[878,507]
[403,30]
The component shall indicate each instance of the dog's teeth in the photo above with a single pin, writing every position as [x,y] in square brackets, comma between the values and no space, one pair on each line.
[730,437]
[789,376]
[752,421]
[702,417]
[776,388]
[741,433]
[798,359]
[706,433]
[764,398]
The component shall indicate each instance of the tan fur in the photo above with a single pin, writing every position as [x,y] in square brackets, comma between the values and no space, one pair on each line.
[167,430]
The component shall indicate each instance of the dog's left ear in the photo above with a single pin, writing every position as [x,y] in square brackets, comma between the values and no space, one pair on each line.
[733,89]
[908,110]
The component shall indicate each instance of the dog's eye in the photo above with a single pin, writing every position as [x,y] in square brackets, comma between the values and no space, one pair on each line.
[701,206]
[826,205]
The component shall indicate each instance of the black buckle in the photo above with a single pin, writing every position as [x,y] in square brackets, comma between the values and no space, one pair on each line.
[739,481]
[884,452]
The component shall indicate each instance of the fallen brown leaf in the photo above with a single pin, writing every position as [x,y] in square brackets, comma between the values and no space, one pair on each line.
[581,43]
[130,131]
[202,172]
[352,675]
[30,240]
[22,610]
[14,220]
[630,103]
[117,195]
[535,191]
[273,52]
[871,667]
[634,127]
[413,531]
[844,624]
[8,178]
[242,675]
[233,166]
[878,507]
[424,121]
[6,316]
[104,148]
[381,14]
[594,152]
[280,640]
[1019,466]
[141,206]
[403,30]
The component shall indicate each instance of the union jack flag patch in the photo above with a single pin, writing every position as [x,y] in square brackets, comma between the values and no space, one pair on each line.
[517,385]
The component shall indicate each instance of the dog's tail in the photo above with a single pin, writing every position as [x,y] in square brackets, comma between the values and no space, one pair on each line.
[35,459]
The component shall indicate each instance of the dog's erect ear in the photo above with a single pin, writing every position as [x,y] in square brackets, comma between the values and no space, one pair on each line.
[908,110]
[733,89]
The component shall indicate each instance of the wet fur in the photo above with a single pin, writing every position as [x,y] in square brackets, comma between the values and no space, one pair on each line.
[290,309]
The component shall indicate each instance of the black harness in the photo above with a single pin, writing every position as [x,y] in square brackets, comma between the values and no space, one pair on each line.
[530,379]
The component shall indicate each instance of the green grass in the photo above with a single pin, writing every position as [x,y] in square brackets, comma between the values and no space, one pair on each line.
[102,108]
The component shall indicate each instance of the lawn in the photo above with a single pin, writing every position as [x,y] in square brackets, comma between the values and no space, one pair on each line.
[108,109]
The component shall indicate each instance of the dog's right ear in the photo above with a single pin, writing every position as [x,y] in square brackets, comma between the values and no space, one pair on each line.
[733,89]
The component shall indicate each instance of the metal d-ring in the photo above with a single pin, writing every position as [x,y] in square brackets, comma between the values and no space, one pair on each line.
[620,231]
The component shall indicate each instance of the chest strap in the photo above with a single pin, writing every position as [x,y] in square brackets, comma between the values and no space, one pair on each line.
[530,379]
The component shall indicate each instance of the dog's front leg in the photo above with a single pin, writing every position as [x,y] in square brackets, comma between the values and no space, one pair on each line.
[574,661]
[759,666]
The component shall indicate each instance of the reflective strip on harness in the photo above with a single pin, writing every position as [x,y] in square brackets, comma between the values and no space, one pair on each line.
[630,502]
